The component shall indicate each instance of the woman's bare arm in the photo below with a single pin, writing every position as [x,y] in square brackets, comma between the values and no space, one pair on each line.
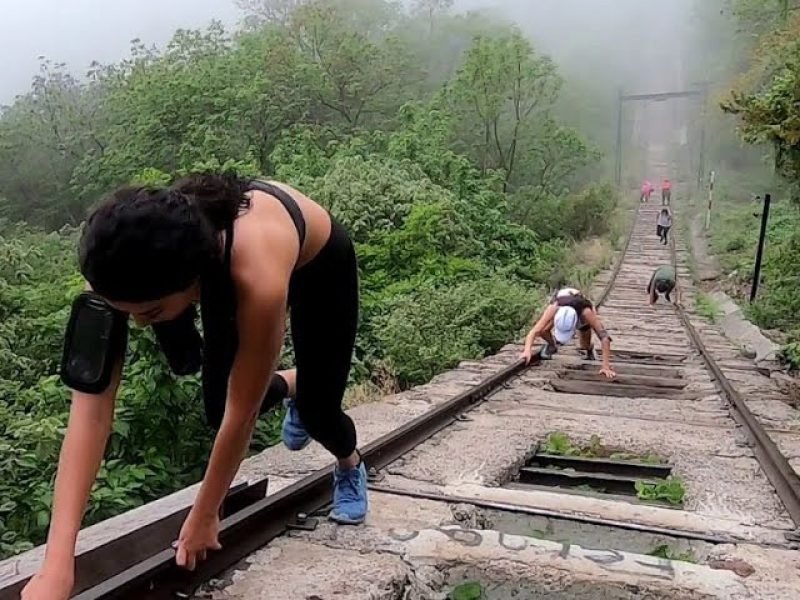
[88,429]
[590,317]
[261,318]
[261,268]
[543,324]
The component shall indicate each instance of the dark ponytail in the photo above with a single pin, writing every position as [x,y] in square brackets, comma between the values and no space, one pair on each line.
[219,197]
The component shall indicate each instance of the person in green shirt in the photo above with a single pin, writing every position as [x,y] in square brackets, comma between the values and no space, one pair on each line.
[664,281]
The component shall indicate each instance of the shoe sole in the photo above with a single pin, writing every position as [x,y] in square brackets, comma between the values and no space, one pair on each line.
[346,520]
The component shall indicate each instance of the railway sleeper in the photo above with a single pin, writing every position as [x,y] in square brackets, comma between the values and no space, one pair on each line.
[617,389]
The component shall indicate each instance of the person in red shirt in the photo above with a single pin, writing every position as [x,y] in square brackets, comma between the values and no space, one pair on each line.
[647,189]
[666,192]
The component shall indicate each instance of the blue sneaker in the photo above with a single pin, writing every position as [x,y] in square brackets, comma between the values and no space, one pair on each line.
[350,495]
[294,434]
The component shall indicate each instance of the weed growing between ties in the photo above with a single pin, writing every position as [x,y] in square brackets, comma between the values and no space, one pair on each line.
[471,590]
[706,307]
[671,490]
[560,444]
[665,551]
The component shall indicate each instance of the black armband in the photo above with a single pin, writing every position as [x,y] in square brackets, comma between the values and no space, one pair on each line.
[603,334]
[94,343]
[181,342]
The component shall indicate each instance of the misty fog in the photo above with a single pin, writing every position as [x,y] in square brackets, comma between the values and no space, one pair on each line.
[626,42]
[77,32]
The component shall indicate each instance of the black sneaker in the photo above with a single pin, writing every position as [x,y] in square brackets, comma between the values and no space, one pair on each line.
[590,355]
[547,351]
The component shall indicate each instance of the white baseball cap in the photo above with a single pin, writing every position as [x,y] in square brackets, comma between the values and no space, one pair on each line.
[565,324]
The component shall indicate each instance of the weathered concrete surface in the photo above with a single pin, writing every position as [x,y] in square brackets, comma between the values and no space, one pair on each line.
[723,478]
[412,549]
[737,328]
[295,570]
[594,507]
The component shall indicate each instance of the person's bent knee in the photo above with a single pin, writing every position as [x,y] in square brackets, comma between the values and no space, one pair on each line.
[334,430]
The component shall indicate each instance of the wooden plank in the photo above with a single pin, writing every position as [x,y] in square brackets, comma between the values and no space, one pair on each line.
[609,388]
[632,369]
[667,362]
[555,478]
[625,468]
[645,355]
[625,379]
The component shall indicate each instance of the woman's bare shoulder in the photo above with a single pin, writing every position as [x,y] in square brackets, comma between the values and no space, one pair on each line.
[294,192]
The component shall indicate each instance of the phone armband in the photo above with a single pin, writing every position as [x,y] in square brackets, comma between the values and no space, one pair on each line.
[94,343]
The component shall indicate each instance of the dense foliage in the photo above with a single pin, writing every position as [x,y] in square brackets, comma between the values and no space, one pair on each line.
[757,77]
[443,158]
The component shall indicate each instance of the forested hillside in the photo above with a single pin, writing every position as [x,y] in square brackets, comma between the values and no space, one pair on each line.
[432,136]
[750,52]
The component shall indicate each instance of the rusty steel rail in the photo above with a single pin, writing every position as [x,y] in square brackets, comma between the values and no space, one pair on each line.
[775,465]
[613,279]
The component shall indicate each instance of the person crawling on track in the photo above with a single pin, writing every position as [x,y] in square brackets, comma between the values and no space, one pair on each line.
[663,282]
[249,252]
[570,311]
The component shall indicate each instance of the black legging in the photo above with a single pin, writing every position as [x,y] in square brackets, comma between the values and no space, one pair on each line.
[323,309]
[323,301]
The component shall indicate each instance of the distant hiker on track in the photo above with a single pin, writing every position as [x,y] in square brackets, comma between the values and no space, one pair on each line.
[570,311]
[663,225]
[663,281]
[647,189]
[666,192]
[249,252]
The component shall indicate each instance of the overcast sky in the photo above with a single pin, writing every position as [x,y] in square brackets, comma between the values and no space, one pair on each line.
[596,34]
[79,31]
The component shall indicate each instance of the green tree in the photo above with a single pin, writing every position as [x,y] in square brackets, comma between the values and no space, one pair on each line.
[43,136]
[767,102]
[502,89]
[359,67]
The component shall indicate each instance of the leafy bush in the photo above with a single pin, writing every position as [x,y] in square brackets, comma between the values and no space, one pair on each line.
[790,355]
[432,328]
[576,217]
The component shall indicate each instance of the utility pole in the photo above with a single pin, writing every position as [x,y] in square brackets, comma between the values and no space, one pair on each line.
[701,168]
[760,252]
[710,199]
[618,172]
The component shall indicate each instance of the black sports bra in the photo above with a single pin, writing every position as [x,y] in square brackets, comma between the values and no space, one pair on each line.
[289,203]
